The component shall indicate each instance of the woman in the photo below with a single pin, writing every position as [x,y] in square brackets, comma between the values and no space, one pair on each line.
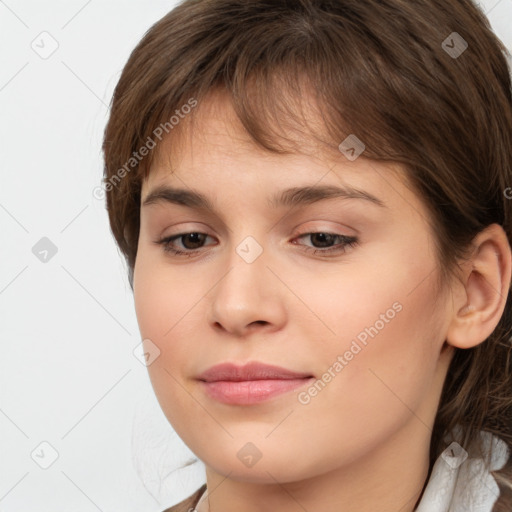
[313,199]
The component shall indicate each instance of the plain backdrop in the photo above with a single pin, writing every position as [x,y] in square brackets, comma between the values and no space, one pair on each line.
[80,428]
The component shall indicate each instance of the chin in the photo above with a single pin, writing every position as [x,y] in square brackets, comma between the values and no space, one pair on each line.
[282,467]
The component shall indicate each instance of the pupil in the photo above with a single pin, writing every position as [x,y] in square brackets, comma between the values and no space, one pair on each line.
[192,235]
[323,237]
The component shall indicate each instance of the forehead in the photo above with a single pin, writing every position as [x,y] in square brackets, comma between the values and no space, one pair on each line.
[214,128]
[212,147]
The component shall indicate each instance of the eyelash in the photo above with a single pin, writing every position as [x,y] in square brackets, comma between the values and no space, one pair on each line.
[346,242]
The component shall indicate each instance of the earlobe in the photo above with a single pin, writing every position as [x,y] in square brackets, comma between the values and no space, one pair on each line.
[486,280]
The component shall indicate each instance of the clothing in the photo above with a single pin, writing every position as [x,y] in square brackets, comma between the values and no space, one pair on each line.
[459,481]
[189,503]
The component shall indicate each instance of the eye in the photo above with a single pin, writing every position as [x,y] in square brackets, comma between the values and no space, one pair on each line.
[188,239]
[327,239]
[192,242]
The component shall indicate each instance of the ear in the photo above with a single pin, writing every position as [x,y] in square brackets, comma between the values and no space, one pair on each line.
[480,299]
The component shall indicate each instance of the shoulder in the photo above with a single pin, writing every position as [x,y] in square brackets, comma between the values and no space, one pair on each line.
[189,503]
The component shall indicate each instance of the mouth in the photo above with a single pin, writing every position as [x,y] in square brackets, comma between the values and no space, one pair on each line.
[250,384]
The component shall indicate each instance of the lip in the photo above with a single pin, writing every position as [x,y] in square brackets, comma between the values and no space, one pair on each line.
[249,384]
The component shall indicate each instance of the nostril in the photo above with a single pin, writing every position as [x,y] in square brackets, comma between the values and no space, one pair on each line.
[261,322]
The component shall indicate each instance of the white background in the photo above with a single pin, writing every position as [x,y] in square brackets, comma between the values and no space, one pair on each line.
[68,374]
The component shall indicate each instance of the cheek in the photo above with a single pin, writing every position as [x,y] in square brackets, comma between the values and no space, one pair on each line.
[163,297]
[385,322]
[163,317]
[389,341]
[167,308]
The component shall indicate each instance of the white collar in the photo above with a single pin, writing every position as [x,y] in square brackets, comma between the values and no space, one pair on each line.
[460,480]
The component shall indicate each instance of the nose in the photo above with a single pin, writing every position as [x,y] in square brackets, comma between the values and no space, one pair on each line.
[247,298]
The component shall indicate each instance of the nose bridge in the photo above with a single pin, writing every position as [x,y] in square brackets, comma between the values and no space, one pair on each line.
[245,281]
[250,250]
[247,292]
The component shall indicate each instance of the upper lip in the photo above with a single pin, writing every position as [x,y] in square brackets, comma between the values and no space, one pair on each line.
[250,371]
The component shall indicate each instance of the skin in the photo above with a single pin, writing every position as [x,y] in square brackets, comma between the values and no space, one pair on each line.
[361,444]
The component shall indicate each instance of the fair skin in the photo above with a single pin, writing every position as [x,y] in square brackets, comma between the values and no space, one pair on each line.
[361,444]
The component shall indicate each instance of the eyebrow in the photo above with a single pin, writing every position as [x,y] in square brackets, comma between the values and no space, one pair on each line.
[290,197]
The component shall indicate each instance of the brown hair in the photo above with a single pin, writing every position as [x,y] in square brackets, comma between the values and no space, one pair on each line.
[393,73]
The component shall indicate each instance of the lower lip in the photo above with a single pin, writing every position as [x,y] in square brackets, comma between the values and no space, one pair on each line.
[251,391]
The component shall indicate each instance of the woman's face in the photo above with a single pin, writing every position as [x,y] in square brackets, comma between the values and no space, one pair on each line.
[354,306]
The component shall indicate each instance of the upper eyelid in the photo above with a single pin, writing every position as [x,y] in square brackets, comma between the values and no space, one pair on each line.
[332,231]
[223,227]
